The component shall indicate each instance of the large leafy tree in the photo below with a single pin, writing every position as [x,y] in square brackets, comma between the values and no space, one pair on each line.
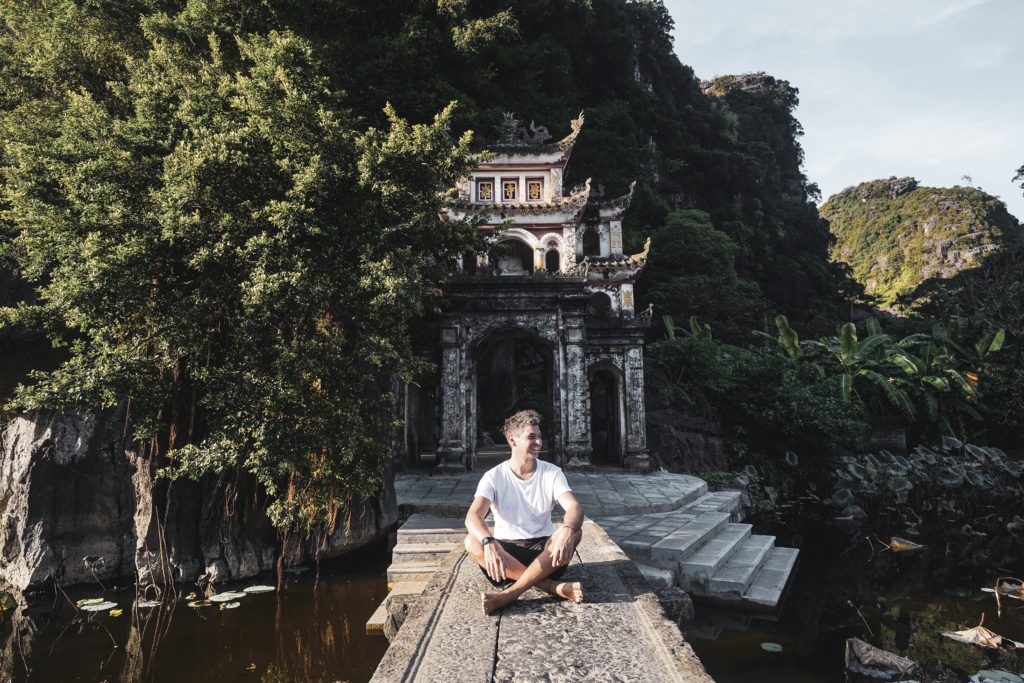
[225,248]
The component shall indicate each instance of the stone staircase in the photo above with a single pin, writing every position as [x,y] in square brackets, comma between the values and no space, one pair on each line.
[700,548]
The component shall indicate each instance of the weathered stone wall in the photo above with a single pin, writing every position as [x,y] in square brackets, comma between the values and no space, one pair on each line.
[77,499]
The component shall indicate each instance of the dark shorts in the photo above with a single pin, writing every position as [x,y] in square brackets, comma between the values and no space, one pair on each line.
[526,551]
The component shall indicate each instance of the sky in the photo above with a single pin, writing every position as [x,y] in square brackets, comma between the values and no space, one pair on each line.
[932,89]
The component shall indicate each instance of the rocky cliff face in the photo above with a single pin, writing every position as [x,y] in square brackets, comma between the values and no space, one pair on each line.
[686,443]
[895,234]
[79,502]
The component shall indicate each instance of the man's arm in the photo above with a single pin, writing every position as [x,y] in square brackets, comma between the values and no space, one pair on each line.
[494,561]
[568,534]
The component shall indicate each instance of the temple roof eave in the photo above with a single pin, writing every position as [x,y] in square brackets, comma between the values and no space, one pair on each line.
[613,209]
[559,151]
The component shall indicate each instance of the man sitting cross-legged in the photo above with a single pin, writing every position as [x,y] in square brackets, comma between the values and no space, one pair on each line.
[523,550]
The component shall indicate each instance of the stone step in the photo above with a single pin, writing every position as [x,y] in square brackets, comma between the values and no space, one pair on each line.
[733,579]
[409,571]
[656,576]
[418,553]
[429,529]
[716,501]
[710,557]
[769,585]
[375,624]
[678,545]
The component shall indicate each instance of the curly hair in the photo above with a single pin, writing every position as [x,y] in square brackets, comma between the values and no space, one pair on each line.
[516,421]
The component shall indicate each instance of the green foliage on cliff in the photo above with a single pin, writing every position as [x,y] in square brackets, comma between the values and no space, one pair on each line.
[227,246]
[895,235]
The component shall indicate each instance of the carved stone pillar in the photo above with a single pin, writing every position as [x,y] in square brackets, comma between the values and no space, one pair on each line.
[578,447]
[637,457]
[451,451]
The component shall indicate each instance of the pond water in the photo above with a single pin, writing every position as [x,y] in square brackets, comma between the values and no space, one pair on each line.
[312,631]
[846,586]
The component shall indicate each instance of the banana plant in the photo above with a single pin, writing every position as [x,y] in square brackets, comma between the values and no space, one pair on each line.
[697,331]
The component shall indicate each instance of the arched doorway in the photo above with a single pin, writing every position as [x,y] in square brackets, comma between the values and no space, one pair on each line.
[606,413]
[512,257]
[514,370]
[552,261]
[599,304]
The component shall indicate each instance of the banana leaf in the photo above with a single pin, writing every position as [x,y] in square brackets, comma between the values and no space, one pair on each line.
[895,396]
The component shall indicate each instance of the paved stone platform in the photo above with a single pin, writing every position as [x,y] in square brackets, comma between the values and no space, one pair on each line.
[600,494]
[618,633]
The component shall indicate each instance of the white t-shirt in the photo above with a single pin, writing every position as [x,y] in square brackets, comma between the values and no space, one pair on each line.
[522,507]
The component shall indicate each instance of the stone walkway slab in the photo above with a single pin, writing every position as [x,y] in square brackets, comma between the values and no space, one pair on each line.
[618,633]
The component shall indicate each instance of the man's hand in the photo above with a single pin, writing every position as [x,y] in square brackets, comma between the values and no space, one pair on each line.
[561,549]
[494,559]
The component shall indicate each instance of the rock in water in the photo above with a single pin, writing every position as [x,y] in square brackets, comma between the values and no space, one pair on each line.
[867,660]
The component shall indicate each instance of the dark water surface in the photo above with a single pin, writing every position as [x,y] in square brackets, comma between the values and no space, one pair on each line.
[843,588]
[311,631]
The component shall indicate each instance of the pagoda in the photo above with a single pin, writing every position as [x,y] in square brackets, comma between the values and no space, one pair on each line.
[544,319]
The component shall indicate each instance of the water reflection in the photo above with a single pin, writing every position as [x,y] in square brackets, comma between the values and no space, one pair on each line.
[312,631]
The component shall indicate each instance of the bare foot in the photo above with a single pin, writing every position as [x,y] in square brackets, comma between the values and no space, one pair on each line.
[495,601]
[573,592]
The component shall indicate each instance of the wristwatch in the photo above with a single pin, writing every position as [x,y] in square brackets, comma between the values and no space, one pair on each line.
[487,540]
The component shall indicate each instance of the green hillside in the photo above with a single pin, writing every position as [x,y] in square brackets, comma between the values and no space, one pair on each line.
[895,234]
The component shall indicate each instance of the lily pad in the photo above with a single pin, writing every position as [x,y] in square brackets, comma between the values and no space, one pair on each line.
[200,603]
[227,596]
[116,612]
[771,647]
[230,605]
[101,606]
[147,604]
[90,601]
[259,589]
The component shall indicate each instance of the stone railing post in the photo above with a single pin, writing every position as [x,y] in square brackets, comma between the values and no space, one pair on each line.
[578,447]
[637,457]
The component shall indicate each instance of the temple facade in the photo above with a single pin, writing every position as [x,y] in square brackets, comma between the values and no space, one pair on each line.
[545,319]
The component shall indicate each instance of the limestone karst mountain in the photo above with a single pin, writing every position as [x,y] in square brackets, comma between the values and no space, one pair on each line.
[895,234]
